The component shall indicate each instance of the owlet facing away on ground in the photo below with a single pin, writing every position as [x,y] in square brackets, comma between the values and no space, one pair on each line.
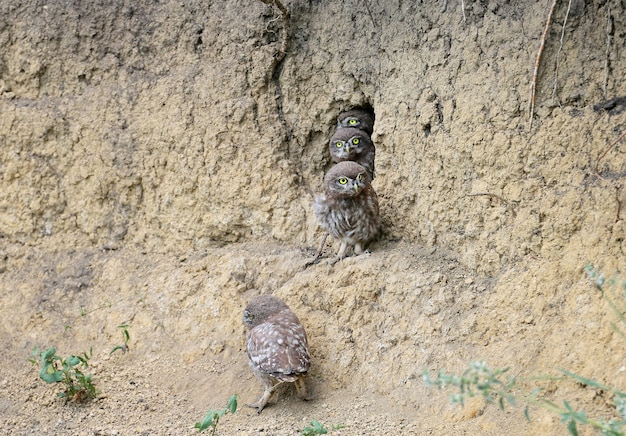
[277,346]
[358,118]
[351,144]
[348,208]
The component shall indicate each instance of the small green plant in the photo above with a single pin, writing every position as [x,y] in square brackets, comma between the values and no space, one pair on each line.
[212,417]
[478,379]
[315,428]
[492,384]
[126,336]
[77,386]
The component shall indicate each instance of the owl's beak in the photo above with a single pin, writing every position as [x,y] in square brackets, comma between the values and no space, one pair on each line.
[247,317]
[356,187]
[348,149]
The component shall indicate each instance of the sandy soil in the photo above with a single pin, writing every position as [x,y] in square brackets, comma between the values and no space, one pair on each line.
[187,351]
[180,363]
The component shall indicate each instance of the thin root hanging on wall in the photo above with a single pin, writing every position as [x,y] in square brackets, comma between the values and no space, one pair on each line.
[609,31]
[367,7]
[486,194]
[609,148]
[463,10]
[558,53]
[619,203]
[533,83]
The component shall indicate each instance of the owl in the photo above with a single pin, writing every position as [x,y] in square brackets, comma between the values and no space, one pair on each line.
[348,208]
[349,143]
[276,345]
[358,118]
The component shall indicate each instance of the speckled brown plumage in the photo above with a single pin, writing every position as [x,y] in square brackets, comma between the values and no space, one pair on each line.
[277,347]
[348,208]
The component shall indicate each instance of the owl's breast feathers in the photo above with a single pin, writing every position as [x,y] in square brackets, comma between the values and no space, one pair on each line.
[355,219]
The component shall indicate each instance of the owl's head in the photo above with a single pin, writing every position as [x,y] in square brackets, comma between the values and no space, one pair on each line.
[357,118]
[260,308]
[346,179]
[348,142]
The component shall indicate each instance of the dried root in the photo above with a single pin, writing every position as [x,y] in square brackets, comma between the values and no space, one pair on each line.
[533,83]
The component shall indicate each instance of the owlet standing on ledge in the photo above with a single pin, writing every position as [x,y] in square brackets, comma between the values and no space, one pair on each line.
[348,208]
[276,345]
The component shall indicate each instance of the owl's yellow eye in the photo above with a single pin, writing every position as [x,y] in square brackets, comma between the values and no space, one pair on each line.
[359,177]
[338,144]
[353,121]
[343,181]
[356,141]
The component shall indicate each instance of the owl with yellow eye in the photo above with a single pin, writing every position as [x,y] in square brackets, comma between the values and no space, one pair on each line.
[352,144]
[358,118]
[348,207]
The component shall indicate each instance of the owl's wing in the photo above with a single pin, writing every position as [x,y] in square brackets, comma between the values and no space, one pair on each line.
[279,348]
[373,201]
[320,207]
[322,211]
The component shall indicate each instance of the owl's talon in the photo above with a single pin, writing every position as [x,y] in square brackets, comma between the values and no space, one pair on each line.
[311,262]
[315,261]
[259,407]
[302,391]
[318,254]
[332,262]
